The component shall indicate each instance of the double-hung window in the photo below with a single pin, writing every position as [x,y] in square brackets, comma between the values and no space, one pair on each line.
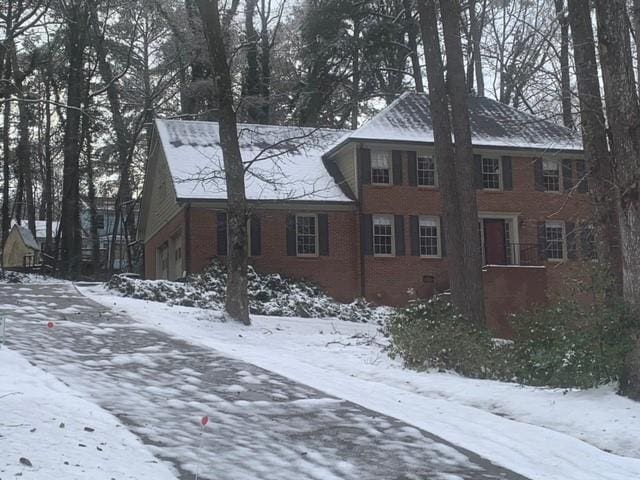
[551,175]
[306,235]
[381,167]
[429,235]
[426,172]
[555,248]
[383,235]
[491,173]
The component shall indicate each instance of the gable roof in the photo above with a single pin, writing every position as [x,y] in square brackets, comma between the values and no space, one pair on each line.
[493,124]
[287,161]
[27,237]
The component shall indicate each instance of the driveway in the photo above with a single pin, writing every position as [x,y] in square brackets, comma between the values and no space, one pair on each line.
[262,425]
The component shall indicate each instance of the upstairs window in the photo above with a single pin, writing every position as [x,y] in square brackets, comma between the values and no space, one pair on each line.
[306,235]
[555,241]
[429,232]
[551,175]
[380,167]
[383,235]
[426,172]
[491,173]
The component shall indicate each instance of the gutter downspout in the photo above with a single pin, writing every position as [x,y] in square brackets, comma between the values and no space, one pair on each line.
[187,238]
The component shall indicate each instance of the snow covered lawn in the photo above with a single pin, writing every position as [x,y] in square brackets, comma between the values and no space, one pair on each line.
[48,432]
[541,433]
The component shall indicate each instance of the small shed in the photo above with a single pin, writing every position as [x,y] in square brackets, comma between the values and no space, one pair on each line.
[21,249]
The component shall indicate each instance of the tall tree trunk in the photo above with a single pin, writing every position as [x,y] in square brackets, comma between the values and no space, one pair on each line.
[477,25]
[236,303]
[412,43]
[471,265]
[565,73]
[23,160]
[251,77]
[355,79]
[447,169]
[623,114]
[6,172]
[265,63]
[47,190]
[71,235]
[594,138]
[123,140]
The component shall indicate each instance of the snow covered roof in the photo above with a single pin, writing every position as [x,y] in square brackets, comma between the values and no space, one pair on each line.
[41,228]
[285,163]
[27,237]
[493,124]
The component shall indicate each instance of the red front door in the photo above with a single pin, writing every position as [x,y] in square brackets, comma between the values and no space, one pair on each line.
[495,247]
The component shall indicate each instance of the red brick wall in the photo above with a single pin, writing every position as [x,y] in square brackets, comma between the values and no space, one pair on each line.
[337,273]
[510,290]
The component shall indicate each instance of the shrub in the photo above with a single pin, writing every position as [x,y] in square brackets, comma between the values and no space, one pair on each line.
[572,345]
[432,334]
[269,294]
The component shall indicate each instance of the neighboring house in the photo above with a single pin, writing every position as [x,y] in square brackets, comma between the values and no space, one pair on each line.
[359,212]
[21,250]
[106,216]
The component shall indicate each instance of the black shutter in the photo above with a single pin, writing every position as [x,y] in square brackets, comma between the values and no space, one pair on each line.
[587,241]
[291,235]
[414,231]
[477,169]
[364,165]
[412,168]
[542,240]
[399,233]
[323,233]
[366,234]
[507,174]
[221,233]
[538,175]
[570,231]
[443,238]
[256,236]
[581,176]
[396,159]
[567,175]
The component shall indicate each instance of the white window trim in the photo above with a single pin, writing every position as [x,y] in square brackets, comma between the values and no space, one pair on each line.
[393,236]
[557,223]
[437,220]
[317,242]
[435,171]
[389,156]
[500,174]
[560,179]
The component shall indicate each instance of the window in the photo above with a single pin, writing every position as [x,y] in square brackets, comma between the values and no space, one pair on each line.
[555,240]
[551,175]
[491,173]
[380,167]
[383,235]
[306,235]
[426,172]
[429,233]
[100,221]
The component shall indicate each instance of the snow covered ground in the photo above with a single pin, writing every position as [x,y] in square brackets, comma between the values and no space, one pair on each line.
[48,432]
[541,433]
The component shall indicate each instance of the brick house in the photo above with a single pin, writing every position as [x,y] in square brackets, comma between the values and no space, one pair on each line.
[359,213]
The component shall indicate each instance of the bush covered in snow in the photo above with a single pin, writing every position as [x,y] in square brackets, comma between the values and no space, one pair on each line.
[269,294]
[432,334]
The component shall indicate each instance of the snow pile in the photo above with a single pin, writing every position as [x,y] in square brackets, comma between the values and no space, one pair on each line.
[269,294]
[17,277]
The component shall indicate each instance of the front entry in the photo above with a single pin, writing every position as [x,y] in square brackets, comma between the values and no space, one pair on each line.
[495,244]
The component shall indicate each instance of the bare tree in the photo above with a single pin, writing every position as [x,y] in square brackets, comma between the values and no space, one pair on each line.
[454,165]
[623,115]
[236,303]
